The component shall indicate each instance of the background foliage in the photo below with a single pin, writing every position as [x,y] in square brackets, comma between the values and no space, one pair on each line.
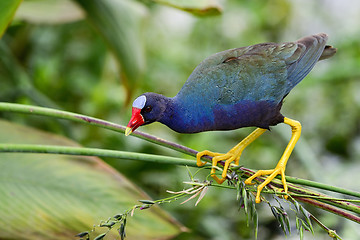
[95,59]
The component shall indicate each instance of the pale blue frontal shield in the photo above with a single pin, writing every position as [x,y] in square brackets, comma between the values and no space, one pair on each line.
[139,102]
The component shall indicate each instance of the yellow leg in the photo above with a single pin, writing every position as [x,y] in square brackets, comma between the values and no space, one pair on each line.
[280,167]
[232,156]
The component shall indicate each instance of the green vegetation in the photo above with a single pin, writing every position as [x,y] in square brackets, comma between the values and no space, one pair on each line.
[93,57]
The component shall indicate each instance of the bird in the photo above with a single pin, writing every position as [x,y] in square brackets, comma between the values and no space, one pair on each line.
[237,88]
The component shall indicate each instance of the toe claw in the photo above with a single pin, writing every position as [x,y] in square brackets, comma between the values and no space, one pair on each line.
[218,180]
[257,199]
[199,163]
[249,182]
[232,156]
[272,174]
[286,197]
[227,157]
[199,155]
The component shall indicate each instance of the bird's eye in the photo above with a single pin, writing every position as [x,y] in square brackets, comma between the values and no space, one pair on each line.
[148,109]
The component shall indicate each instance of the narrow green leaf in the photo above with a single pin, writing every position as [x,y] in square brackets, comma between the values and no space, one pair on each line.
[281,216]
[252,208]
[274,211]
[147,201]
[122,230]
[304,212]
[297,224]
[301,232]
[108,224]
[306,226]
[241,202]
[190,174]
[198,7]
[145,206]
[282,223]
[101,236]
[250,211]
[118,217]
[245,199]
[287,221]
[256,224]
[311,227]
[307,218]
[308,221]
[279,210]
[7,11]
[238,190]
[296,204]
[82,234]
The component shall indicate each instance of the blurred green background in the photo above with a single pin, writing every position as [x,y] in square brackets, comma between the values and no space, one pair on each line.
[94,60]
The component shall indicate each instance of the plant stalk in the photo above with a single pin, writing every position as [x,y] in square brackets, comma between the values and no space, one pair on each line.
[32,148]
[323,201]
[48,112]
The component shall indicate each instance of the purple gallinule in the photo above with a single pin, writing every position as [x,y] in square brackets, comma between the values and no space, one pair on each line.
[241,87]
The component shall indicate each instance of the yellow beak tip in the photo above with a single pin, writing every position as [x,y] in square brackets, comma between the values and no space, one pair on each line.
[128,131]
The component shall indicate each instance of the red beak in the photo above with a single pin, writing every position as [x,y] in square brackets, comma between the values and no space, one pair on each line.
[136,121]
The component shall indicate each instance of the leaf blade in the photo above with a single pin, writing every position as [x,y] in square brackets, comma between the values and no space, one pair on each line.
[119,22]
[198,8]
[7,12]
[42,195]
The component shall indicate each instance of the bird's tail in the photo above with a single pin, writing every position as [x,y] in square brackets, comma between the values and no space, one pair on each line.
[310,50]
[328,52]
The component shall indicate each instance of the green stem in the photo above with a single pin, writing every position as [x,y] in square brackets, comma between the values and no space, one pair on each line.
[32,148]
[330,208]
[169,199]
[50,149]
[48,112]
[292,194]
[18,108]
[323,201]
[308,183]
[328,200]
[329,231]
[322,186]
